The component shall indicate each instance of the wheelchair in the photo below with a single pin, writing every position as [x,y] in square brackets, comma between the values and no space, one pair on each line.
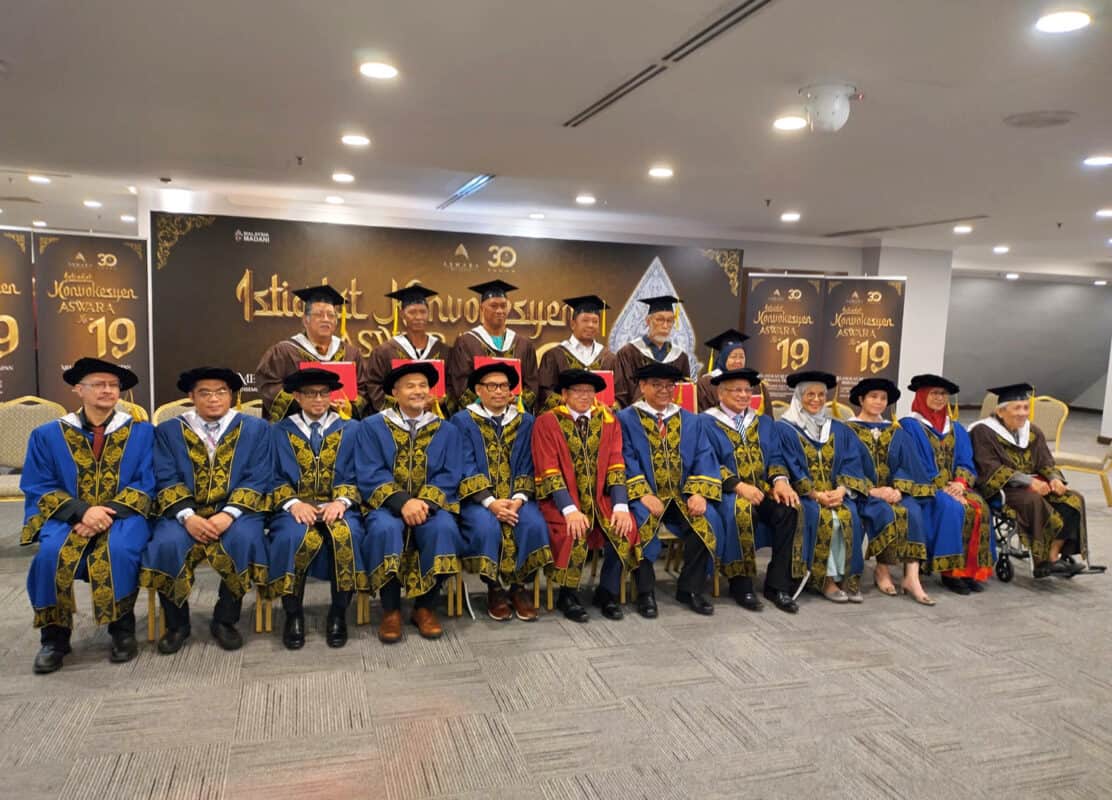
[1009,543]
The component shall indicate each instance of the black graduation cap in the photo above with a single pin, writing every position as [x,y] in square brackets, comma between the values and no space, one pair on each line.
[729,336]
[928,381]
[586,304]
[744,374]
[657,369]
[574,377]
[400,371]
[319,294]
[495,288]
[867,385]
[811,376]
[664,302]
[311,376]
[501,367]
[1012,392]
[191,377]
[412,295]
[87,366]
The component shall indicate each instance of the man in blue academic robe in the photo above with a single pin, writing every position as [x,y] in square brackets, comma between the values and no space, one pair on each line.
[504,533]
[87,484]
[671,474]
[408,465]
[317,527]
[213,475]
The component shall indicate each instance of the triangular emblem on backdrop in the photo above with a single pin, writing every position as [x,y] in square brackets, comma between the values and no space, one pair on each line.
[630,323]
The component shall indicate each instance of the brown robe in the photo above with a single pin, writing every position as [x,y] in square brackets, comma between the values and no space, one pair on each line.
[707,395]
[284,358]
[556,360]
[631,358]
[476,342]
[381,360]
[1001,465]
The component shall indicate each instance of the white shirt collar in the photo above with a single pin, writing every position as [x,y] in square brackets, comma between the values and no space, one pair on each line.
[672,354]
[507,339]
[398,420]
[114,423]
[672,408]
[194,421]
[310,348]
[303,423]
[724,414]
[507,415]
[417,355]
[1020,438]
[927,423]
[575,415]
[586,354]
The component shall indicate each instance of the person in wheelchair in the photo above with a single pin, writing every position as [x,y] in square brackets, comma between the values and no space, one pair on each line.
[1012,456]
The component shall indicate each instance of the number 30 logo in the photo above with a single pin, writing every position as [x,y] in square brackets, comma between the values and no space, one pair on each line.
[795,294]
[502,256]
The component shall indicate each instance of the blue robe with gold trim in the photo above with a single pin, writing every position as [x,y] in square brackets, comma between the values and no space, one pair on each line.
[684,467]
[60,480]
[298,550]
[391,469]
[239,475]
[499,460]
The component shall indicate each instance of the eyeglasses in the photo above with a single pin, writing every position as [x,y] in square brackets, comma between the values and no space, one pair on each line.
[315,394]
[100,386]
[330,316]
[736,389]
[496,387]
[658,385]
[208,394]
[581,390]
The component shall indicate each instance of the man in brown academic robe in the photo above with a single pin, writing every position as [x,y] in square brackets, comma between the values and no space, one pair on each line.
[653,347]
[317,343]
[581,350]
[492,337]
[416,344]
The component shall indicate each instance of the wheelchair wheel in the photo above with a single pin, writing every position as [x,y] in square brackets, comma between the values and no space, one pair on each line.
[1004,569]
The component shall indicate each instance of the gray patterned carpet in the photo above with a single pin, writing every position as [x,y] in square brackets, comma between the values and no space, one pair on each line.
[1004,694]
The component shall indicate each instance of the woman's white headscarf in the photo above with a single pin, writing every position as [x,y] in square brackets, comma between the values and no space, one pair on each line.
[816,426]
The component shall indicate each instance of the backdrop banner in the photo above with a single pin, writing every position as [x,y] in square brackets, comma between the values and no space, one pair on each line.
[784,320]
[17,316]
[222,286]
[91,300]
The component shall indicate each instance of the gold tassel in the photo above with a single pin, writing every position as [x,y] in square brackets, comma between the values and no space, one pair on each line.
[954,412]
[604,322]
[343,323]
[710,362]
[396,304]
[439,411]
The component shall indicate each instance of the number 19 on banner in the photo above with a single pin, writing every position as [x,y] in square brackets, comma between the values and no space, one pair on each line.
[794,353]
[120,333]
[874,357]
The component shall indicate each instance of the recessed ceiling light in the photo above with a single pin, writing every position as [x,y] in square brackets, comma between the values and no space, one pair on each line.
[791,122]
[38,223]
[378,70]
[1100,283]
[1105,213]
[585,199]
[660,171]
[1063,21]
[1012,276]
[38,179]
[536,215]
[790,216]
[343,177]
[355,140]
[92,204]
[1001,249]
[132,190]
[1098,161]
[961,230]
[334,199]
[127,218]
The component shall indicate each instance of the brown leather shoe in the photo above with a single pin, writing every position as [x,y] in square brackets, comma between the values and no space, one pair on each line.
[498,605]
[390,630]
[523,605]
[427,623]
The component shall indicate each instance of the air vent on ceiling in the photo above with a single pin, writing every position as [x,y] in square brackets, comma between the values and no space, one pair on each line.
[906,227]
[19,199]
[1040,119]
[702,37]
[469,188]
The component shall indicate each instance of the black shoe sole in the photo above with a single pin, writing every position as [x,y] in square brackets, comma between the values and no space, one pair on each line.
[118,657]
[179,646]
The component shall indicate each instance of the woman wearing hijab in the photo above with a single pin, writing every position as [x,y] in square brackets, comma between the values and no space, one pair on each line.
[892,515]
[1012,456]
[727,354]
[959,541]
[824,463]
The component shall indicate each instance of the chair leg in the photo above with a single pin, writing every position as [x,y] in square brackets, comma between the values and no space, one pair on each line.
[459,595]
[152,614]
[715,589]
[268,615]
[451,595]
[1107,486]
[537,589]
[622,585]
[548,590]
[258,611]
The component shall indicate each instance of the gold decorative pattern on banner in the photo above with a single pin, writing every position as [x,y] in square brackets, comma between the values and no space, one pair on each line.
[45,242]
[169,229]
[137,248]
[20,240]
[730,262]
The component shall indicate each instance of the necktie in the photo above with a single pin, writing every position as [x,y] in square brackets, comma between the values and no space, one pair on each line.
[210,436]
[662,429]
[98,441]
[315,438]
[583,426]
[739,421]
[412,423]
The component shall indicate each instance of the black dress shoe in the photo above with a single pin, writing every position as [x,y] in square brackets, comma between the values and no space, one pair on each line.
[607,604]
[749,601]
[124,647]
[569,604]
[697,602]
[1065,568]
[293,632]
[172,640]
[782,600]
[955,585]
[49,658]
[973,585]
[336,630]
[646,605]
[226,635]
